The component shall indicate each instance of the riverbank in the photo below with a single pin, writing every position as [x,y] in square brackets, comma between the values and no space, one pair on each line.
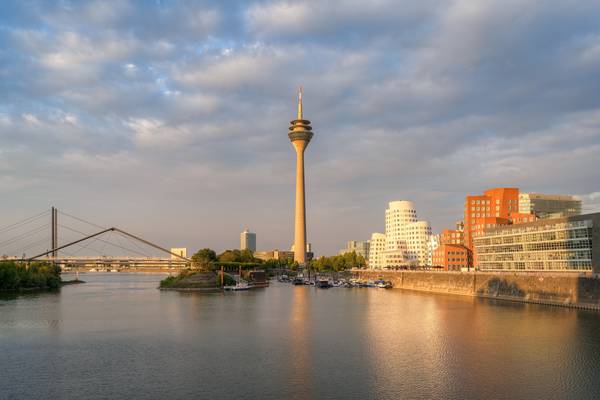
[564,290]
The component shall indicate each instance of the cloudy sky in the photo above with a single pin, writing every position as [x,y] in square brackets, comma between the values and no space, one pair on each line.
[169,118]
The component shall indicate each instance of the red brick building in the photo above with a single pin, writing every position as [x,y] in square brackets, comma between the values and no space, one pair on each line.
[452,257]
[499,206]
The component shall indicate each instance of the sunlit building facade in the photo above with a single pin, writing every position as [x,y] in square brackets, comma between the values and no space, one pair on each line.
[361,248]
[248,240]
[451,257]
[406,237]
[376,258]
[562,244]
[549,205]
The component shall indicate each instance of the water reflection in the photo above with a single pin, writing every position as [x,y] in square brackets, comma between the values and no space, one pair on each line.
[290,342]
[299,366]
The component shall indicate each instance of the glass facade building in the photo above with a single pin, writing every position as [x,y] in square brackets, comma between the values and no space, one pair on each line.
[562,244]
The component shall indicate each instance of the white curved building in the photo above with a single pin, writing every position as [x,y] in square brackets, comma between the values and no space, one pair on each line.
[406,237]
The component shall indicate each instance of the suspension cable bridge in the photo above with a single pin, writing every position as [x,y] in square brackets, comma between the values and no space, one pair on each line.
[82,244]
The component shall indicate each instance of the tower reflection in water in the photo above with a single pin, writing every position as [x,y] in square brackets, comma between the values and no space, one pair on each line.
[299,367]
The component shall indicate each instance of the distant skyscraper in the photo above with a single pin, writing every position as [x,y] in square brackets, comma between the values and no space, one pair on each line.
[248,240]
[549,205]
[300,133]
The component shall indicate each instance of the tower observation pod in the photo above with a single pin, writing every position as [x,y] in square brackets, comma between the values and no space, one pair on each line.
[300,133]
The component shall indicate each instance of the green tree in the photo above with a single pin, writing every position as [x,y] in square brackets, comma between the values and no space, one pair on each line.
[203,259]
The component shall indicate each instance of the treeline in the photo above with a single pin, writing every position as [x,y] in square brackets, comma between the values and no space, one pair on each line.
[38,275]
[340,262]
[207,259]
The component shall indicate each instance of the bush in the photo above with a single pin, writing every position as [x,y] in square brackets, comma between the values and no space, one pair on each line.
[38,275]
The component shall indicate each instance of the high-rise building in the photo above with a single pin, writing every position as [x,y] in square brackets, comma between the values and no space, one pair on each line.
[300,134]
[561,244]
[406,237]
[360,248]
[376,251]
[496,207]
[248,240]
[549,205]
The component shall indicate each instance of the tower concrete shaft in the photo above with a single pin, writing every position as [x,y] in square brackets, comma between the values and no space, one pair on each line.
[300,134]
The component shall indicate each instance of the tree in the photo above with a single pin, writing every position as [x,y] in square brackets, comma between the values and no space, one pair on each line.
[203,259]
[230,256]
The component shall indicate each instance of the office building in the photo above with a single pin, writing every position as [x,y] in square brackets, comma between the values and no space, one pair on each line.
[274,255]
[549,205]
[248,240]
[452,236]
[451,257]
[360,248]
[496,207]
[561,244]
[376,258]
[180,251]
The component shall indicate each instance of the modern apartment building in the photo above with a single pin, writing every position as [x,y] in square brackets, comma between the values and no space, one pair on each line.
[561,244]
[549,205]
[406,237]
[376,258]
[248,240]
[360,248]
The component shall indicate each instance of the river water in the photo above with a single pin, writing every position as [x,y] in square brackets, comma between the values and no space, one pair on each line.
[118,337]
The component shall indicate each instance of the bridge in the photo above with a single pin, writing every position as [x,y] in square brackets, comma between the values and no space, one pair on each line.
[132,252]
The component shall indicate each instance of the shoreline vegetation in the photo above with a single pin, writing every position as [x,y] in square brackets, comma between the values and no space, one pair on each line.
[15,276]
[204,273]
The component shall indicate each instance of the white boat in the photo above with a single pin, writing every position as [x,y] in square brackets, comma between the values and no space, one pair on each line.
[238,286]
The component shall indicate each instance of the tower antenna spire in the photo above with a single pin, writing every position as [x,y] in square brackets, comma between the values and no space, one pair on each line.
[300,102]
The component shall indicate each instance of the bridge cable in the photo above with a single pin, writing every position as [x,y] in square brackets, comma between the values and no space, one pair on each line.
[120,236]
[24,235]
[101,240]
[81,220]
[22,250]
[23,222]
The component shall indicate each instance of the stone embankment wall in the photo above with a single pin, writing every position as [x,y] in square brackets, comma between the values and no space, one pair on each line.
[569,290]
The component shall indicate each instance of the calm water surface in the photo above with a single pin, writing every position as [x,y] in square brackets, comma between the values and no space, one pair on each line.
[118,337]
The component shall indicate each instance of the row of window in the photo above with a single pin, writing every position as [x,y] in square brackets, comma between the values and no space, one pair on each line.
[537,265]
[538,256]
[536,237]
[517,229]
[565,245]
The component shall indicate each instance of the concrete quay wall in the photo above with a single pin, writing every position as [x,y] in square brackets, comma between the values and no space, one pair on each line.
[568,290]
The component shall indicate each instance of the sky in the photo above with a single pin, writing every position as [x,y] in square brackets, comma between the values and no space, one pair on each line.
[169,119]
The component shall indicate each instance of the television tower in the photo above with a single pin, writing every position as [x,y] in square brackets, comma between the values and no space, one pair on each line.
[300,134]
